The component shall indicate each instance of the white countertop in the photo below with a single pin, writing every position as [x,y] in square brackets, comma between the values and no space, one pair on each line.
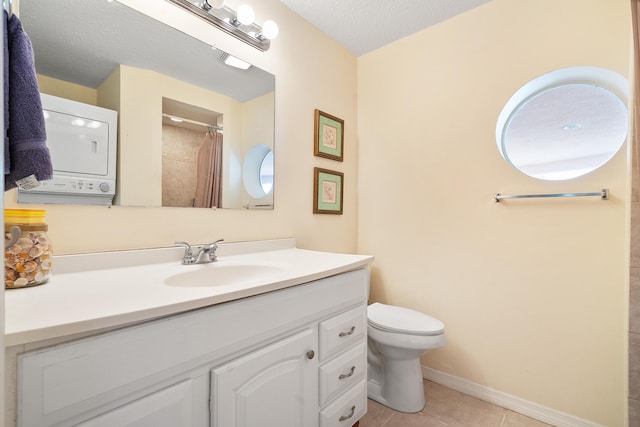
[90,292]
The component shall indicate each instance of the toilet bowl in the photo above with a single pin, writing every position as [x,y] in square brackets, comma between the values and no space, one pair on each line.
[397,337]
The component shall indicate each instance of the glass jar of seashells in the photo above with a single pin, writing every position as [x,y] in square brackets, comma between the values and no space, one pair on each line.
[28,250]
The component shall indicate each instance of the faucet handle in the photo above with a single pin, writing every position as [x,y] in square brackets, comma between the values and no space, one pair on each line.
[213,245]
[188,253]
[213,257]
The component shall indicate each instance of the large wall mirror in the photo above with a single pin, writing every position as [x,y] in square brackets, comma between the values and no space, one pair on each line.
[564,124]
[173,93]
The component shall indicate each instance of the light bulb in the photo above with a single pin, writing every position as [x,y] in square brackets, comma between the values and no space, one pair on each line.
[245,14]
[270,30]
[216,4]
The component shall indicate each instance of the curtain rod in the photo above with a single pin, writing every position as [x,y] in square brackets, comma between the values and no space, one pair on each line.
[193,122]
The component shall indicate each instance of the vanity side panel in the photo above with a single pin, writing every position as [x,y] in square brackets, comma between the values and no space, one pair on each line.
[11,382]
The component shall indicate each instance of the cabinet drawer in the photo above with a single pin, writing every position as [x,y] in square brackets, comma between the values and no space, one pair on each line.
[342,331]
[348,409]
[342,372]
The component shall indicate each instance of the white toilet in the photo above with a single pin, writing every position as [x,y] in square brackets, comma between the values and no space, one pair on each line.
[397,338]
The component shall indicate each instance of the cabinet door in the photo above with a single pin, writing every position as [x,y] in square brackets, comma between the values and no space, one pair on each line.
[276,385]
[169,407]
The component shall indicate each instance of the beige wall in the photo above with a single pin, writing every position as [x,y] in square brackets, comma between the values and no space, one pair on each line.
[532,292]
[67,90]
[301,86]
[634,293]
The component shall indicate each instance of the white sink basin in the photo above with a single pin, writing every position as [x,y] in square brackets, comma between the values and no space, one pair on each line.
[219,274]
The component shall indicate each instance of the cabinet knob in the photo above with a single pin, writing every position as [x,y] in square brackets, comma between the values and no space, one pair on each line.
[311,354]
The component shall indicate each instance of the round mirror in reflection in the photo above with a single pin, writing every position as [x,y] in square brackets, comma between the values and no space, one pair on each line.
[257,171]
[563,131]
[266,173]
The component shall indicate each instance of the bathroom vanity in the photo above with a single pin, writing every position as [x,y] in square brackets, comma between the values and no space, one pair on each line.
[269,337]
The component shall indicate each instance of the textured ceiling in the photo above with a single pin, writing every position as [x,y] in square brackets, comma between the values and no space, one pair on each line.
[365,25]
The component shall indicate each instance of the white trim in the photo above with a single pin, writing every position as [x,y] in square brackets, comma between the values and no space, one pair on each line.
[507,401]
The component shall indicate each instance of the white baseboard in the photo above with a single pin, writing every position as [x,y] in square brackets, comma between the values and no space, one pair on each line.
[507,401]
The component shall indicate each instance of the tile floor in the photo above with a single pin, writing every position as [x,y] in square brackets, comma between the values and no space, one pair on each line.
[446,407]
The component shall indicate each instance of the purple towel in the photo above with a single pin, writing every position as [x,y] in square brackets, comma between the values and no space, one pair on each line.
[28,151]
[5,50]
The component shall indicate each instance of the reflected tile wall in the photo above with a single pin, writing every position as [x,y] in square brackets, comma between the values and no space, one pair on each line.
[179,155]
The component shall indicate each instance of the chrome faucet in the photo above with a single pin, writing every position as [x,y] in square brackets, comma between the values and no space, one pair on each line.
[204,253]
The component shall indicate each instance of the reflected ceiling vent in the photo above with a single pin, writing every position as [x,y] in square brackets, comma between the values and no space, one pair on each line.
[232,61]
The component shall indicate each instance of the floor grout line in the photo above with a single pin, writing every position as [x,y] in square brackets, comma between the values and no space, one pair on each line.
[504,418]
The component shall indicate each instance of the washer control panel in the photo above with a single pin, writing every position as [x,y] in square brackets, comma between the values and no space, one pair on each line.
[77,186]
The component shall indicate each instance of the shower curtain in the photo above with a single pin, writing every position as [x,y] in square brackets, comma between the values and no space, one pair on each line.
[209,172]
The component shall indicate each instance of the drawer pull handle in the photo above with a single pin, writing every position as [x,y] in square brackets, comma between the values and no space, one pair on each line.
[311,354]
[349,332]
[351,372]
[346,417]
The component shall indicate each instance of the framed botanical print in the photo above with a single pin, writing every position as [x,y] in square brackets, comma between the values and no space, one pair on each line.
[328,136]
[328,189]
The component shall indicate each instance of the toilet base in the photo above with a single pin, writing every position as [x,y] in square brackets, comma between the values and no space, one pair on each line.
[411,400]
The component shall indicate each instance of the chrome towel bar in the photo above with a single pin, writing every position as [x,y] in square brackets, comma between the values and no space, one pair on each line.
[604,195]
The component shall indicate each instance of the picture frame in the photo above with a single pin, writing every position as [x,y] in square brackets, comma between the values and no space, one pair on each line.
[328,191]
[328,136]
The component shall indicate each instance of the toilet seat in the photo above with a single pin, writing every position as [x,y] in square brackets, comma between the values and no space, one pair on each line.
[402,320]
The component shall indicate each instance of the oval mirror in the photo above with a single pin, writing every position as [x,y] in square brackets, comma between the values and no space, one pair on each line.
[556,130]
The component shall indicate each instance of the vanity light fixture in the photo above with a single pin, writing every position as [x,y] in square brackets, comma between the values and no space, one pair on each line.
[238,24]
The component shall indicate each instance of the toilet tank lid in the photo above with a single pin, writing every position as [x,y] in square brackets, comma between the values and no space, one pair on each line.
[399,319]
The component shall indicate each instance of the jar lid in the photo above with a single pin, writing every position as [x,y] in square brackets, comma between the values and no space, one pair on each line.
[24,216]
